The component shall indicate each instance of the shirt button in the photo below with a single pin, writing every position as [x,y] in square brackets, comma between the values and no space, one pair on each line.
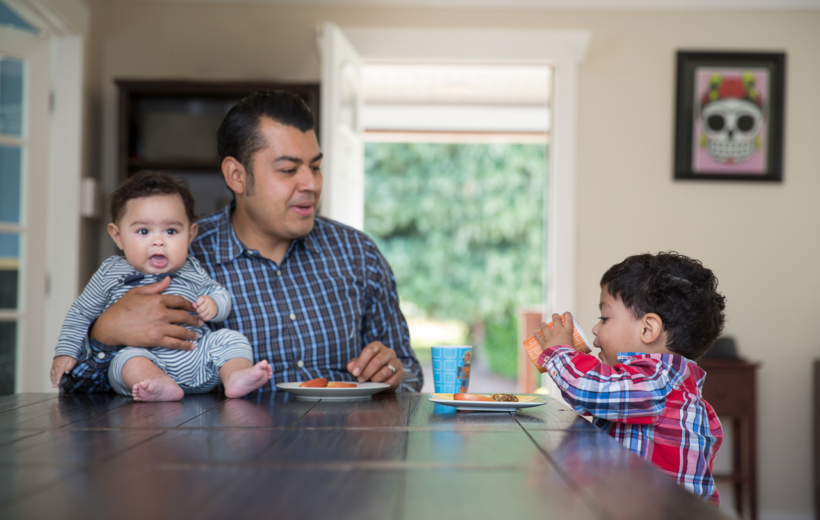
[101,355]
[279,272]
[554,372]
[292,316]
[300,363]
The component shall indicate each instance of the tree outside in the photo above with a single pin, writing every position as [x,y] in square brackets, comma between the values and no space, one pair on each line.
[462,228]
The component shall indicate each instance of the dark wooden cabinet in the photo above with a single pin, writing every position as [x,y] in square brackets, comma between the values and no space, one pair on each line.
[817,439]
[731,389]
[170,126]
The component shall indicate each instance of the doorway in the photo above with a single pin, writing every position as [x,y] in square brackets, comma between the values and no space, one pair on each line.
[456,165]
[344,51]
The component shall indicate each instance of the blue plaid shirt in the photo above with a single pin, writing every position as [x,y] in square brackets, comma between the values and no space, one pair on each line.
[332,294]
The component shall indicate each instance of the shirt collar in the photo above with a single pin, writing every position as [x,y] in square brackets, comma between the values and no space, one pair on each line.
[627,356]
[691,366]
[229,247]
[311,240]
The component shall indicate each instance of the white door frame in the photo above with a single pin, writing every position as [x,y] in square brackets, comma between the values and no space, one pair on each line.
[33,50]
[65,24]
[342,134]
[561,49]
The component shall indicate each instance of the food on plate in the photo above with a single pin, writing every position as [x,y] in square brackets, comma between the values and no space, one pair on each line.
[506,398]
[320,382]
[471,397]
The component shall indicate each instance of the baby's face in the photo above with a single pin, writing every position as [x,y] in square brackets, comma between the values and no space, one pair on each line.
[154,232]
[617,331]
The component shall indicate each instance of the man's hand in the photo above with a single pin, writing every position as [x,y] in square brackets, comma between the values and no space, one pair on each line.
[206,308]
[144,317]
[374,363]
[59,367]
[560,334]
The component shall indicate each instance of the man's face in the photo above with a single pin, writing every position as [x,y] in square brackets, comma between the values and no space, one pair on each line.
[154,232]
[287,182]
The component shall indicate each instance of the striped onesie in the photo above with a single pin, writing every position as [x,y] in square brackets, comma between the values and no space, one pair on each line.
[195,371]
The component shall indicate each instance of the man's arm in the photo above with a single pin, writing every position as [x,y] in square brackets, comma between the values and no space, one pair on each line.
[385,332]
[144,317]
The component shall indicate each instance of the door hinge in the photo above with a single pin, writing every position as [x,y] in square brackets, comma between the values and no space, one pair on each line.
[48,285]
[51,102]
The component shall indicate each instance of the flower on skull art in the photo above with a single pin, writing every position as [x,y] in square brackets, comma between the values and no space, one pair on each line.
[731,113]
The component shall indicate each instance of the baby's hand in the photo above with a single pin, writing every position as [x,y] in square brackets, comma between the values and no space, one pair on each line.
[206,308]
[60,366]
[560,334]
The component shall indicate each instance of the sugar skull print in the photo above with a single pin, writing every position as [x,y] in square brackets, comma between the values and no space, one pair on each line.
[732,116]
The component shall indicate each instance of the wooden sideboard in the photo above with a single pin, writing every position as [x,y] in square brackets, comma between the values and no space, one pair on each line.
[731,389]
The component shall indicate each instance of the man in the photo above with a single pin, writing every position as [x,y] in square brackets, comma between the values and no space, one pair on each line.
[314,297]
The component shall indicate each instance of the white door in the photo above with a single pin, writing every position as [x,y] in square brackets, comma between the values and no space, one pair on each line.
[24,130]
[341,128]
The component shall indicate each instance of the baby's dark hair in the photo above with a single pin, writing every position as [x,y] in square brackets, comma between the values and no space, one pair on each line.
[679,290]
[147,183]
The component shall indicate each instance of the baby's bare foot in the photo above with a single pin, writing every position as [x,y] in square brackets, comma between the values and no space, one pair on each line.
[158,389]
[243,381]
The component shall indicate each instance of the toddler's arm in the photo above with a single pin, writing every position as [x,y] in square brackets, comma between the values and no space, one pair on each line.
[206,308]
[210,287]
[81,315]
[59,367]
[634,393]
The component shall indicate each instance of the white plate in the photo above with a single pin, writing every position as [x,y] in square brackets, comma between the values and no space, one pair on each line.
[363,391]
[524,401]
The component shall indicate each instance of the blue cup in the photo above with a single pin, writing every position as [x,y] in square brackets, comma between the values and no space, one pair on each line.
[451,368]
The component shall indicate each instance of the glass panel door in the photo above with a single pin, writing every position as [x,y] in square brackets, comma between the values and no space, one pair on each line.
[11,153]
[24,87]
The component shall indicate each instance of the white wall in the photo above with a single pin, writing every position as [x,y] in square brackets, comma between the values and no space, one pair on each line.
[762,240]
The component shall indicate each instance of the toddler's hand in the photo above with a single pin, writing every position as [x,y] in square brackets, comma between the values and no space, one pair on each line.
[60,366]
[206,308]
[560,334]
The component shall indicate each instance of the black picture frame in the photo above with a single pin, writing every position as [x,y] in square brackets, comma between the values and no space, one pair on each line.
[729,115]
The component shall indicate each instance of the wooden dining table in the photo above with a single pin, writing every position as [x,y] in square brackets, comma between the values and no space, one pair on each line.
[274,456]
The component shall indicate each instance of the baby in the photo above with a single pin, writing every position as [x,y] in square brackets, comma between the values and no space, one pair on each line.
[659,313]
[153,224]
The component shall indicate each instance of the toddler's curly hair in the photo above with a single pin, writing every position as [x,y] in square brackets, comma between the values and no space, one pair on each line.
[679,290]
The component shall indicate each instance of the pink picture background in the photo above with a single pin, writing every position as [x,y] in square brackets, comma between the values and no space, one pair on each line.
[702,162]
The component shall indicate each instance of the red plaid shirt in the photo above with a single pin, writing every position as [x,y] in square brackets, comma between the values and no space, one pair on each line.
[651,403]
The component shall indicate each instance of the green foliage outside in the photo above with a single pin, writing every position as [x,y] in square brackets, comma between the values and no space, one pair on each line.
[462,228]
[500,344]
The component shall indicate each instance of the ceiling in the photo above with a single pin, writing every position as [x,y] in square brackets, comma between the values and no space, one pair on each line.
[649,5]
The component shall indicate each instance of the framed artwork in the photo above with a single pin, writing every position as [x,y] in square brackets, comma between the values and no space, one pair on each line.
[729,116]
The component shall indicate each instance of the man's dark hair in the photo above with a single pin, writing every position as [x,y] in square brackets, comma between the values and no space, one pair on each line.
[147,183]
[239,135]
[679,290]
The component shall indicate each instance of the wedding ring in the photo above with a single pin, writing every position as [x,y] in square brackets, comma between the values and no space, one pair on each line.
[391,368]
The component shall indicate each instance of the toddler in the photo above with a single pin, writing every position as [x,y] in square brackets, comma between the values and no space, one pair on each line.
[659,314]
[153,224]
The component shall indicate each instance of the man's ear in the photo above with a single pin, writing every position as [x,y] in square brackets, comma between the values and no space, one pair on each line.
[114,231]
[651,328]
[234,174]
